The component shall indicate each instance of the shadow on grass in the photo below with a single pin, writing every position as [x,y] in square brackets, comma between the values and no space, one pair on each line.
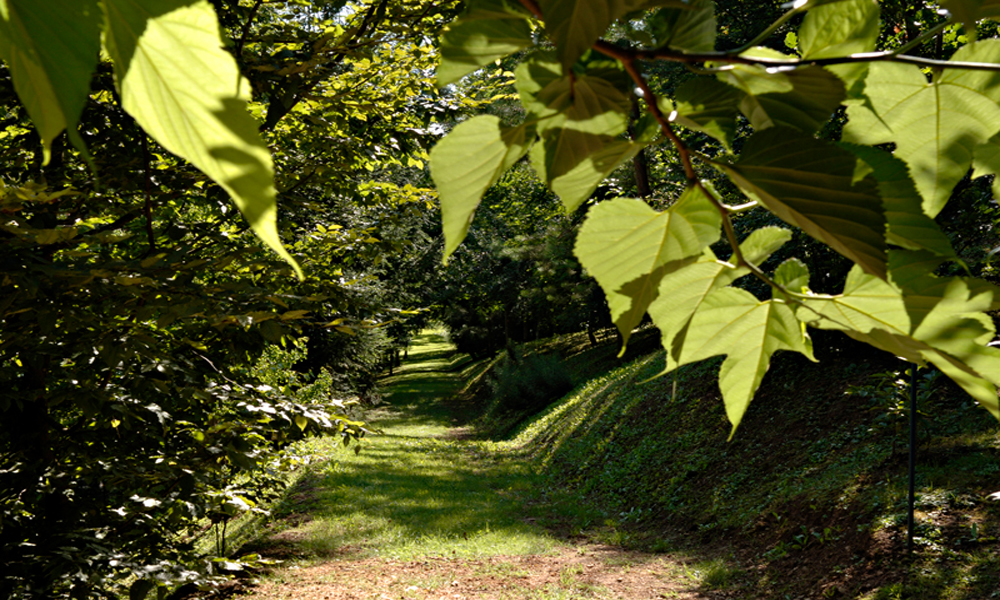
[409,497]
[802,503]
[409,492]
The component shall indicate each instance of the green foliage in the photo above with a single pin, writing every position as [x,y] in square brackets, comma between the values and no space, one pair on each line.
[762,127]
[161,51]
[124,423]
[527,383]
[146,394]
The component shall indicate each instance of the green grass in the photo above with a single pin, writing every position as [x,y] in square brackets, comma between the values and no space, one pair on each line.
[813,475]
[411,491]
[715,573]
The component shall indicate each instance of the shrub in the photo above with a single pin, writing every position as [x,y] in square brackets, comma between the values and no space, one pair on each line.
[477,342]
[530,383]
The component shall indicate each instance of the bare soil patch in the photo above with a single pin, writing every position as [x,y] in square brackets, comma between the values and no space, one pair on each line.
[584,571]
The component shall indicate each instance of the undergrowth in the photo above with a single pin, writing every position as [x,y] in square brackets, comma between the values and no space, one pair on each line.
[815,476]
[529,382]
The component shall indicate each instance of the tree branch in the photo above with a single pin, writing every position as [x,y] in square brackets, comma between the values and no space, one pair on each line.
[246,28]
[276,109]
[789,63]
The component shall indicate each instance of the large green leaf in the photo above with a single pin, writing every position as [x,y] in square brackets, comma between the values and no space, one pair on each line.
[691,28]
[585,103]
[841,29]
[576,185]
[628,247]
[803,98]
[731,321]
[186,91]
[810,183]
[909,227]
[491,29]
[683,291]
[51,49]
[986,161]
[709,106]
[936,126]
[574,25]
[466,163]
[936,320]
[579,120]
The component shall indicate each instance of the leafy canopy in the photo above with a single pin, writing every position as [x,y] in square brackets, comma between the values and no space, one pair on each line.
[154,369]
[762,119]
[175,79]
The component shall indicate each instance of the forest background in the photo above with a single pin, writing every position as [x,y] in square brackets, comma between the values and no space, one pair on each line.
[160,348]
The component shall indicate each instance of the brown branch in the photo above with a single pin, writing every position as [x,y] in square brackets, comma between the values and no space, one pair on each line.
[246,28]
[533,8]
[628,61]
[277,110]
[738,59]
[639,165]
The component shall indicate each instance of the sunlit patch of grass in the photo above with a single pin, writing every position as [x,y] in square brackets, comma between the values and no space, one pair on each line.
[404,498]
[714,574]
[502,569]
[555,592]
[410,492]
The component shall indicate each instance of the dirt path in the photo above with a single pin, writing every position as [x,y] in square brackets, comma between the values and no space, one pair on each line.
[416,517]
[582,571]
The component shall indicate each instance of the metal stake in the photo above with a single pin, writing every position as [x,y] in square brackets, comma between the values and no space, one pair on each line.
[913,455]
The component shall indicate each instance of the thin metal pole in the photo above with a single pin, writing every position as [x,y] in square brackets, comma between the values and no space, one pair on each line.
[913,455]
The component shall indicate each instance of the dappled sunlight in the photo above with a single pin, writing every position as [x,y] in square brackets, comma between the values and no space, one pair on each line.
[625,457]
[409,492]
[575,414]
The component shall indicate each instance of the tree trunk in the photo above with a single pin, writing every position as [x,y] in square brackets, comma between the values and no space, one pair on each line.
[639,163]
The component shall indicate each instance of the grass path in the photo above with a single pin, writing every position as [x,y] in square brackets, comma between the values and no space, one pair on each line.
[418,515]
